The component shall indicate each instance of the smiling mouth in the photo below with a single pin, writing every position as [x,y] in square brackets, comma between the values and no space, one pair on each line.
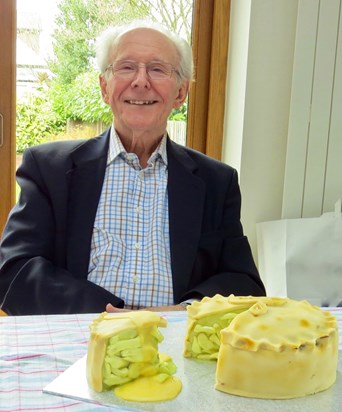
[141,102]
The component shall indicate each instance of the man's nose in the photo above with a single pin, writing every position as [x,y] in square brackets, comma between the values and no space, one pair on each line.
[141,77]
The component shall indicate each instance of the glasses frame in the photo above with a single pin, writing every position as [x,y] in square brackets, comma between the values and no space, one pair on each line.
[138,65]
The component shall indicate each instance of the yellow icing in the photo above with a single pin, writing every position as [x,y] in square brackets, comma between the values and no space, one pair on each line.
[266,347]
[124,346]
[276,375]
[150,389]
[279,328]
[274,348]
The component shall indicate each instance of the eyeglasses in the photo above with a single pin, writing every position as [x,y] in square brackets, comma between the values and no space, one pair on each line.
[127,69]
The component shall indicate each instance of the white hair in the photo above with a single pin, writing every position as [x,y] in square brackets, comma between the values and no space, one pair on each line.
[108,40]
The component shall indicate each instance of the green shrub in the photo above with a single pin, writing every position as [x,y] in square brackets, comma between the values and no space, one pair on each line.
[36,121]
[180,114]
[81,100]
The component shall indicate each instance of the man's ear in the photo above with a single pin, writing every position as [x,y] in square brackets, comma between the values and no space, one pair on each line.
[103,85]
[182,94]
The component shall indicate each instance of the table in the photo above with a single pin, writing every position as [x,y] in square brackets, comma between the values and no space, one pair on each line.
[34,350]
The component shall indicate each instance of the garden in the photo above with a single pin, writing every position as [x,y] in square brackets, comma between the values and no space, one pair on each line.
[67,102]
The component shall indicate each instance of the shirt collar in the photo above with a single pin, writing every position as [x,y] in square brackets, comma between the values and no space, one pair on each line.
[116,148]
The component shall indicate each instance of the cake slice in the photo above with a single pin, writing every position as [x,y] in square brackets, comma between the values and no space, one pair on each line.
[123,347]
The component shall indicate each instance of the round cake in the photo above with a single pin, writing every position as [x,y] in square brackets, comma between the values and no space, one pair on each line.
[271,348]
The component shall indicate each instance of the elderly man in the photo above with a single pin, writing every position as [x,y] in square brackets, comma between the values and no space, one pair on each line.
[128,219]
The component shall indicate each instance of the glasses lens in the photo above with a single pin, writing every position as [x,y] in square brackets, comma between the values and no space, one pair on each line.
[159,70]
[155,70]
[125,69]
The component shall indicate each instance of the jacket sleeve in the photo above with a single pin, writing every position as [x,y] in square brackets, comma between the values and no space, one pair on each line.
[224,263]
[39,287]
[34,278]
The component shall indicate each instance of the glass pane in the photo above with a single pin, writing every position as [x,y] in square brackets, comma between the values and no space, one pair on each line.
[58,96]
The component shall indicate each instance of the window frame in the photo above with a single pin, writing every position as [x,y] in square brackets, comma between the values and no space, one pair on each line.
[210,37]
[206,99]
[7,106]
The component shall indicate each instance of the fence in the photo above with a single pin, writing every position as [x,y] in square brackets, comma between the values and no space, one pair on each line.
[177,131]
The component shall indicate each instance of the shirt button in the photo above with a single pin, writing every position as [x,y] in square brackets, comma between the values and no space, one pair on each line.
[135,278]
[137,245]
[138,209]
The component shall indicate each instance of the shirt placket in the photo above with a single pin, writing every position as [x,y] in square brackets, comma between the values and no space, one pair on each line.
[136,235]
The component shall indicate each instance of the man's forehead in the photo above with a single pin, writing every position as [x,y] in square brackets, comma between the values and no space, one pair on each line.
[144,40]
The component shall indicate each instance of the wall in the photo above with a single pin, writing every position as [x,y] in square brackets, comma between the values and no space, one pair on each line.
[313,161]
[260,65]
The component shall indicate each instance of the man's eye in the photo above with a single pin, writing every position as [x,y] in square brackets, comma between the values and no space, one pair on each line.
[126,67]
[157,68]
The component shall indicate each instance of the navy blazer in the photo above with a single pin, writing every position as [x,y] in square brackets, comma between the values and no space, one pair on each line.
[45,248]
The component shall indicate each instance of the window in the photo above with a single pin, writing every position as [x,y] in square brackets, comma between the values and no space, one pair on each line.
[206,100]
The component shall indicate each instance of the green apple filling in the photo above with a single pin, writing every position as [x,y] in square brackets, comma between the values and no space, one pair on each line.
[130,355]
[204,342]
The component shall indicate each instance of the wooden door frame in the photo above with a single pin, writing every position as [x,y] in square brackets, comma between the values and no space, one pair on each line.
[7,106]
[210,34]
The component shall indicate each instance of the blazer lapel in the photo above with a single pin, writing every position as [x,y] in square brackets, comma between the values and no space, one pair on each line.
[86,179]
[186,193]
